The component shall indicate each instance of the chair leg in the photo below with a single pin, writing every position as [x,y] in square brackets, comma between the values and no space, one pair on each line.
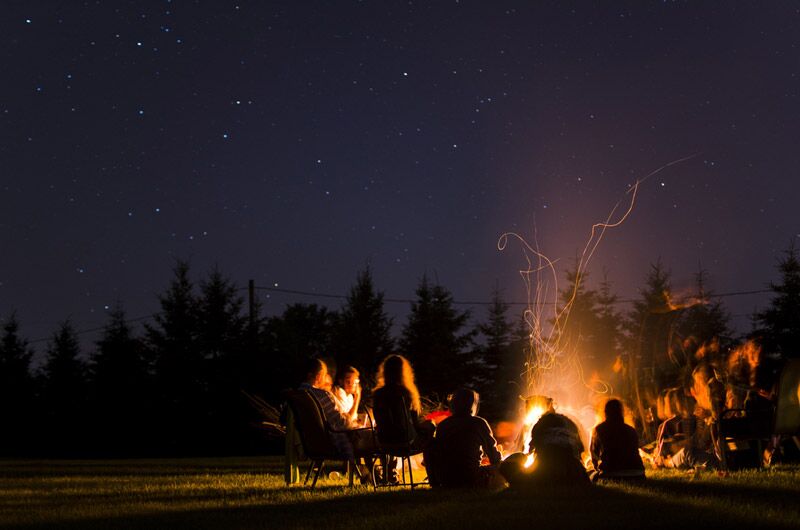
[319,470]
[308,473]
[350,467]
[410,473]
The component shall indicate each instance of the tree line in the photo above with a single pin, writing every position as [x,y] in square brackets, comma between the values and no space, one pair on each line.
[176,387]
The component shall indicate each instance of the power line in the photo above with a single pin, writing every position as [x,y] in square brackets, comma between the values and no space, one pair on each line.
[96,329]
[393,301]
[480,302]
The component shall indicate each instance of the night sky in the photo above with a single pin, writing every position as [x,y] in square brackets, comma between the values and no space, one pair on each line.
[295,142]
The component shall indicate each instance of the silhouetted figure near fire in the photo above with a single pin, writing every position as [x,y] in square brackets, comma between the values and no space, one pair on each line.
[556,448]
[453,459]
[615,447]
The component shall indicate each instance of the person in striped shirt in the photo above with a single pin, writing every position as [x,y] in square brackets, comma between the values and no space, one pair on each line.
[316,375]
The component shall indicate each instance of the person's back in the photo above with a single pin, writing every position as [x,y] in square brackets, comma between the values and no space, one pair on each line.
[615,446]
[395,419]
[461,441]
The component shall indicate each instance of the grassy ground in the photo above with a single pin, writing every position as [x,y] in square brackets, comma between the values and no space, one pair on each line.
[249,493]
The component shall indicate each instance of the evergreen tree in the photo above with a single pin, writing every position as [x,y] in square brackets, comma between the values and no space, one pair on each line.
[16,390]
[609,337]
[303,331]
[362,332]
[705,322]
[579,320]
[495,354]
[649,335]
[64,394]
[779,324]
[649,328]
[179,365]
[609,333]
[434,342]
[222,339]
[121,390]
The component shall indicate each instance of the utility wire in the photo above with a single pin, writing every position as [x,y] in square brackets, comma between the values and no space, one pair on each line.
[478,302]
[393,301]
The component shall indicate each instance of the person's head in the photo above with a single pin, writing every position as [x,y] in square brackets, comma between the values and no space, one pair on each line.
[614,411]
[464,402]
[395,370]
[316,373]
[349,379]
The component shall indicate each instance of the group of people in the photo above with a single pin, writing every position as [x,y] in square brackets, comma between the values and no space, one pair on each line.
[461,450]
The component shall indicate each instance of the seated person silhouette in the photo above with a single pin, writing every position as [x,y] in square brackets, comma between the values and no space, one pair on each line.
[556,447]
[454,457]
[315,383]
[394,425]
[615,447]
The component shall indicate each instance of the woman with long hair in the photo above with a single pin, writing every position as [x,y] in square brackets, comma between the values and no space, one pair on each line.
[395,372]
[397,409]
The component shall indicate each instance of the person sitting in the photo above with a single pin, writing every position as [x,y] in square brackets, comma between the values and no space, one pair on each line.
[556,448]
[670,431]
[396,386]
[615,447]
[347,393]
[316,377]
[454,457]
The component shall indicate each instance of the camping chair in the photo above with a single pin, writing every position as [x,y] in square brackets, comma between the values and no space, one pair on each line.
[746,432]
[395,435]
[314,434]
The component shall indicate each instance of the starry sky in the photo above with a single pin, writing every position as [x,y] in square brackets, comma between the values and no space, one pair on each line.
[295,142]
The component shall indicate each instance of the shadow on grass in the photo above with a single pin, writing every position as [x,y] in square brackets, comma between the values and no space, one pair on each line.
[725,491]
[596,508]
[139,467]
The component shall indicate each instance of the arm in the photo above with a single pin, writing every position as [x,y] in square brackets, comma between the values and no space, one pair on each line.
[595,449]
[489,444]
[337,420]
[356,402]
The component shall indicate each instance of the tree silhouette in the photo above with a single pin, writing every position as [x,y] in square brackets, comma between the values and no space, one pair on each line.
[222,340]
[362,330]
[17,390]
[121,390]
[779,324]
[64,394]
[433,340]
[301,332]
[703,326]
[495,356]
[180,371]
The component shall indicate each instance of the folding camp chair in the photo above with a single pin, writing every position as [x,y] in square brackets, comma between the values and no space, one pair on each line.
[395,437]
[746,432]
[315,433]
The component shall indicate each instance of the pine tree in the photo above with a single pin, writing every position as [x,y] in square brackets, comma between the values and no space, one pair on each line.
[578,323]
[779,324]
[648,342]
[434,342]
[362,331]
[17,390]
[301,332]
[609,334]
[705,322]
[495,354]
[64,394]
[222,339]
[121,390]
[179,366]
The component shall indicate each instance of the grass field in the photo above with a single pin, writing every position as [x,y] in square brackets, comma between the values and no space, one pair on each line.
[249,493]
